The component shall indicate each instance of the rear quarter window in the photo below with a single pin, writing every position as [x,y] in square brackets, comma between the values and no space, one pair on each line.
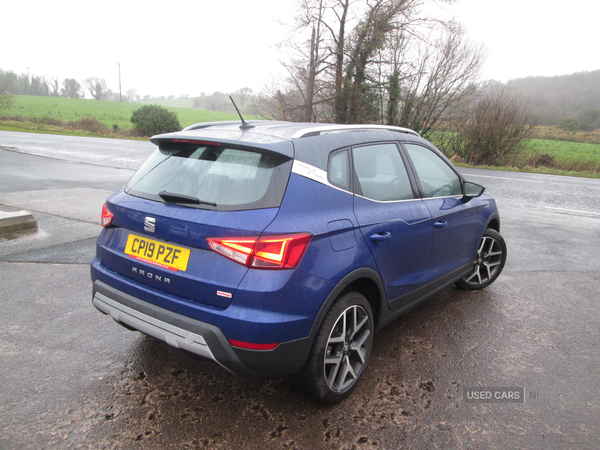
[338,171]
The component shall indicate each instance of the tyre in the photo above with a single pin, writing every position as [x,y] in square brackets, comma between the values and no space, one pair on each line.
[489,262]
[341,350]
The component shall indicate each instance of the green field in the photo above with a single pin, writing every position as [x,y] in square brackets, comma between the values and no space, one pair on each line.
[562,150]
[109,113]
[564,156]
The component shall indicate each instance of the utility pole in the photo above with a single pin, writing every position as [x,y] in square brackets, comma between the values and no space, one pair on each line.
[119,64]
[28,83]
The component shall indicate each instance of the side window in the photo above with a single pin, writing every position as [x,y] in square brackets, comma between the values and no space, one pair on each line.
[380,173]
[338,171]
[436,176]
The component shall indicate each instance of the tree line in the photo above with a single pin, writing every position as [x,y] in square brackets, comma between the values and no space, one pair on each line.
[12,83]
[25,84]
[219,101]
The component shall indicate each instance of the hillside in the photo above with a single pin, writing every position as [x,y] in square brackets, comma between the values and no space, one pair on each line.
[558,98]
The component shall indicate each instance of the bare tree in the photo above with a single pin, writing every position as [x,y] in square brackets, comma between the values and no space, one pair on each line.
[303,81]
[492,130]
[342,67]
[133,95]
[369,37]
[52,82]
[439,81]
[96,87]
[242,95]
[274,105]
[339,40]
[71,88]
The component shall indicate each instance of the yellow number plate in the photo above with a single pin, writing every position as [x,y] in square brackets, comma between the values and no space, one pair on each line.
[157,253]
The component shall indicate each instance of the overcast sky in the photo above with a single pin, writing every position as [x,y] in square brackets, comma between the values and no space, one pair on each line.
[189,47]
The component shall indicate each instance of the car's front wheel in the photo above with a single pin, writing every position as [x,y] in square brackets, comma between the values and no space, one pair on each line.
[489,262]
[341,350]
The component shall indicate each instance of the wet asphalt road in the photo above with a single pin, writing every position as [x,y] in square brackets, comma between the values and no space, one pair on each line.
[72,378]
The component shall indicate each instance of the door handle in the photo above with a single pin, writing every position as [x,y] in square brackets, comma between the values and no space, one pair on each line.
[381,237]
[440,224]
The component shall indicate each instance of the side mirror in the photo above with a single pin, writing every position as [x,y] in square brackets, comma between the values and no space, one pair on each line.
[472,190]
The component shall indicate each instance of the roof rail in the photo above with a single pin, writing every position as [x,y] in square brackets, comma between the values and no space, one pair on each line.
[334,128]
[198,126]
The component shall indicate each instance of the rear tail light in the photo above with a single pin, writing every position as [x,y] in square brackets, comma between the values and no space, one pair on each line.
[266,252]
[107,216]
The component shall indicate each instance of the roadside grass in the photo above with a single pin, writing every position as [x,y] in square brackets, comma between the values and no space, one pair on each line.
[530,169]
[43,127]
[573,159]
[555,157]
[572,156]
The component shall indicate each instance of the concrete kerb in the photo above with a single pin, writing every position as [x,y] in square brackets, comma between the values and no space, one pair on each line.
[11,222]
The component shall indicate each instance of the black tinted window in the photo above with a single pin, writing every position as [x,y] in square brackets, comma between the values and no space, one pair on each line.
[233,179]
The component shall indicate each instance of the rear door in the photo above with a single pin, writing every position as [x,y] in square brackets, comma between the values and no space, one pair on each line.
[393,221]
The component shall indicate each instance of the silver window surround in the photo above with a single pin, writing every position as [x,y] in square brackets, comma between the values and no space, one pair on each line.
[337,128]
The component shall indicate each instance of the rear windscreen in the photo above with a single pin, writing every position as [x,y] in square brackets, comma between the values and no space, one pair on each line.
[217,177]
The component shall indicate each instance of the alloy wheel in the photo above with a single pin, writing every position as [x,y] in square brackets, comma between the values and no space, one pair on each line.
[347,349]
[488,263]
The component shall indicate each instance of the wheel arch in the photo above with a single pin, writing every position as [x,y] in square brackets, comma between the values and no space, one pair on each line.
[493,222]
[365,281]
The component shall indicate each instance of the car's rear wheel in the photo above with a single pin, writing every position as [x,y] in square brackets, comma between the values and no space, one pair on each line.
[489,262]
[341,350]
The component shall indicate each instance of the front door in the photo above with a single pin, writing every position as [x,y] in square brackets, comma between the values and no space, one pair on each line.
[454,221]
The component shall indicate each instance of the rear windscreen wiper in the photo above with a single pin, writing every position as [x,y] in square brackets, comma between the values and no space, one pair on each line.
[172,197]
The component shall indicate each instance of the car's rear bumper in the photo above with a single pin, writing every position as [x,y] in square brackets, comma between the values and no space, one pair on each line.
[198,337]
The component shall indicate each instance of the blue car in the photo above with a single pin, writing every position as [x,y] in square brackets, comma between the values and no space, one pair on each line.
[278,248]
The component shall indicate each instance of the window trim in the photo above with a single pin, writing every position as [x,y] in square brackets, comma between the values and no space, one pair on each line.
[322,176]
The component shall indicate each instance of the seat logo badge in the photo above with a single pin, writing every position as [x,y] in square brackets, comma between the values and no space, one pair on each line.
[149,224]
